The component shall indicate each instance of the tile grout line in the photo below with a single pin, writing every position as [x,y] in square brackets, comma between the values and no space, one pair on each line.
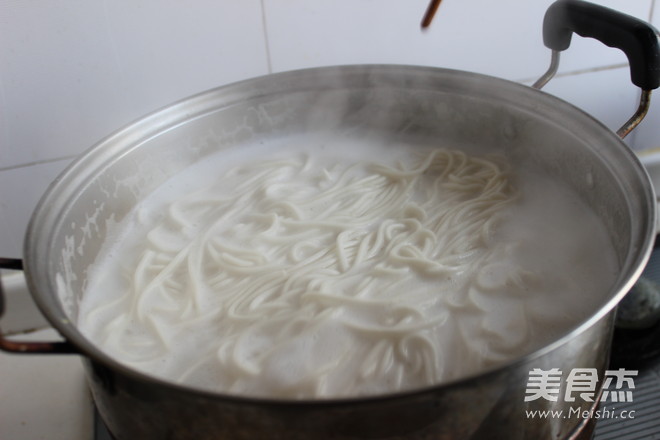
[38,162]
[264,24]
[577,72]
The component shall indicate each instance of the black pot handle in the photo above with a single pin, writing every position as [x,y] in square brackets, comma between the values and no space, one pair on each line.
[636,38]
[27,347]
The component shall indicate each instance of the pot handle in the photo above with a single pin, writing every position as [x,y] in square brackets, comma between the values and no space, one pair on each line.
[27,347]
[636,38]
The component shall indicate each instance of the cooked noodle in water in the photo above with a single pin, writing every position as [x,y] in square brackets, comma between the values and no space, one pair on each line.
[295,277]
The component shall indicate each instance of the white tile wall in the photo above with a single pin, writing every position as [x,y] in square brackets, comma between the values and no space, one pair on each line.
[73,71]
[21,189]
[501,38]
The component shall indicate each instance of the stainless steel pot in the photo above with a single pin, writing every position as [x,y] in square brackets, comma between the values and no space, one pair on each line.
[414,104]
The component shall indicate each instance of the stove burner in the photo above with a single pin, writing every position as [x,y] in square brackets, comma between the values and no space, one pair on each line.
[634,343]
[633,349]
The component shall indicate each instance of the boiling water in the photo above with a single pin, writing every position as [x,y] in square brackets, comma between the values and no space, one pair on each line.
[323,269]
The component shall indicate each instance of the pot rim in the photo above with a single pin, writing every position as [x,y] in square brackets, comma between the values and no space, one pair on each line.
[170,116]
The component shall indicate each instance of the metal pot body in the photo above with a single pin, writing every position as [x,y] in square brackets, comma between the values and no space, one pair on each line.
[489,407]
[411,104]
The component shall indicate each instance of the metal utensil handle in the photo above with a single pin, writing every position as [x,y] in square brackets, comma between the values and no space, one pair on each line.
[636,38]
[27,347]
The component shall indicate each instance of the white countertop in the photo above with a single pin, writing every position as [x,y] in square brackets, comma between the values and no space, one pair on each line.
[41,396]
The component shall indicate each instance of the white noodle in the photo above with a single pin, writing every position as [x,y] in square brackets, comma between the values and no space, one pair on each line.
[300,249]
